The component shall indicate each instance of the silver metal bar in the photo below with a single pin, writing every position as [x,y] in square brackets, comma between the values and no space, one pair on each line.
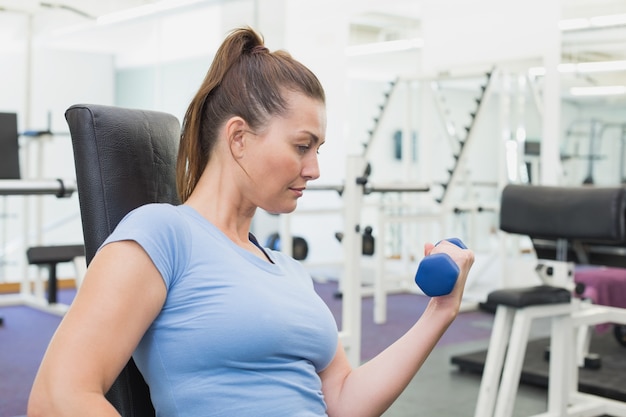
[396,187]
[376,188]
[322,187]
[58,187]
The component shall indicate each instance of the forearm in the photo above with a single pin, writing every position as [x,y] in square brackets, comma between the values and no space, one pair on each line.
[371,388]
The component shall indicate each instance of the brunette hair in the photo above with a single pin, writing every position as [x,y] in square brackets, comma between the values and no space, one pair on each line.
[245,80]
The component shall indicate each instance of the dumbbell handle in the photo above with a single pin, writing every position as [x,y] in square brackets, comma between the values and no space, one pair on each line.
[437,273]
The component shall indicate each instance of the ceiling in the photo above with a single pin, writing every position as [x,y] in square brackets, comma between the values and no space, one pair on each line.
[380,21]
[579,45]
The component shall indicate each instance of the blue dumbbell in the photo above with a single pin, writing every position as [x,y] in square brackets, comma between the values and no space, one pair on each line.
[437,273]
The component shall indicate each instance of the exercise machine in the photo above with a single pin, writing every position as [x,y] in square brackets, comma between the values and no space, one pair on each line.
[61,189]
[574,219]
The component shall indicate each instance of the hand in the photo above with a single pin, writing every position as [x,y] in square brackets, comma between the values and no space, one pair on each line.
[464,258]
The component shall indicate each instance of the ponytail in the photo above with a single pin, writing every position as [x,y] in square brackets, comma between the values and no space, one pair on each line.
[245,79]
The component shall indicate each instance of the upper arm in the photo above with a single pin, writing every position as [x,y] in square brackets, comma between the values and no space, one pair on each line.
[121,295]
[333,378]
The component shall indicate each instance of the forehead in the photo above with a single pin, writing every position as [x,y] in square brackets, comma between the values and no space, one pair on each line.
[297,101]
[304,113]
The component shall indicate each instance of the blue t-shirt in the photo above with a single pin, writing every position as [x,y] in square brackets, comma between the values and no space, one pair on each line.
[237,336]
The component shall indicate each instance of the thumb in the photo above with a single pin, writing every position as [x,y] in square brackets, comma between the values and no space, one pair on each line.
[428,247]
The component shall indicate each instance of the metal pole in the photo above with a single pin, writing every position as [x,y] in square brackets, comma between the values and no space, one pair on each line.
[352,243]
[24,286]
[286,239]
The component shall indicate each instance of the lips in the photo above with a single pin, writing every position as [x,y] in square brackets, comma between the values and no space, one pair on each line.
[298,191]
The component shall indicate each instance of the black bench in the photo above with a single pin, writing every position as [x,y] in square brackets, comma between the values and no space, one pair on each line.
[50,256]
[574,224]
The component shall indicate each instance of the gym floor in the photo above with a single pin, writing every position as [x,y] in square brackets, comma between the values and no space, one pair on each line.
[440,389]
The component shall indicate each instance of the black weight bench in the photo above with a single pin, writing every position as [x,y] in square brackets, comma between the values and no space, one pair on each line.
[50,256]
[579,222]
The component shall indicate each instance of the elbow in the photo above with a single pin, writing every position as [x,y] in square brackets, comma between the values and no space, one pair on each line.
[35,411]
[54,399]
[41,401]
[41,405]
[37,406]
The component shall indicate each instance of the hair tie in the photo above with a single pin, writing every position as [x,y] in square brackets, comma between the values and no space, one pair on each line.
[259,49]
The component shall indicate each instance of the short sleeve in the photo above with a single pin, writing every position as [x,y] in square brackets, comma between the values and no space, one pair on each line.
[162,232]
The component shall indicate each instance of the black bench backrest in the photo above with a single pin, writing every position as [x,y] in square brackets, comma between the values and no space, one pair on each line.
[124,158]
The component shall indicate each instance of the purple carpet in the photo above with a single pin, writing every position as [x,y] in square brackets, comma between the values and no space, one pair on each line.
[23,340]
[27,331]
[403,310]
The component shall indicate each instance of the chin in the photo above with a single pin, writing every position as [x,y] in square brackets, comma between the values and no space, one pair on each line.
[282,210]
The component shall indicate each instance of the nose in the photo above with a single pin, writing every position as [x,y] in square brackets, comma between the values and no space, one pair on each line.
[311,168]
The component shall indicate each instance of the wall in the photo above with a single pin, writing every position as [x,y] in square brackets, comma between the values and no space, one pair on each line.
[59,79]
[167,86]
[160,65]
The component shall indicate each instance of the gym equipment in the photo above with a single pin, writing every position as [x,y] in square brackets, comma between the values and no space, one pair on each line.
[608,382]
[9,147]
[59,188]
[9,161]
[619,330]
[572,217]
[124,158]
[11,184]
[437,273]
[299,250]
[461,143]
[50,256]
[368,243]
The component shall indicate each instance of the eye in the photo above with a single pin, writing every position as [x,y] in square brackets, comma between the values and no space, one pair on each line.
[302,149]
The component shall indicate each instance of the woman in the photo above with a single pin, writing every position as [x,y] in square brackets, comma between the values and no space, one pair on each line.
[218,325]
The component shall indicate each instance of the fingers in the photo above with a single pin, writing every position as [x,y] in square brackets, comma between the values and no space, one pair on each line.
[428,247]
[464,258]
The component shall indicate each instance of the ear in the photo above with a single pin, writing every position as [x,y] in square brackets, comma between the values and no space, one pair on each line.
[235,129]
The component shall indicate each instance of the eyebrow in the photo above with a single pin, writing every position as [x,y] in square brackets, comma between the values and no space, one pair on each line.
[313,136]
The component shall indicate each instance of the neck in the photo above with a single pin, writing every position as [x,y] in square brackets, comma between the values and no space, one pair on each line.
[220,203]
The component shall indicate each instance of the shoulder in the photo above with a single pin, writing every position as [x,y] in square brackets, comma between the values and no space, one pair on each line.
[154,210]
[163,233]
[154,219]
[154,214]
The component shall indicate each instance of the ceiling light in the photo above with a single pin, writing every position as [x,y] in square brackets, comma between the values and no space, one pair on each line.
[582,68]
[602,66]
[592,22]
[143,11]
[383,47]
[574,24]
[608,20]
[609,90]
